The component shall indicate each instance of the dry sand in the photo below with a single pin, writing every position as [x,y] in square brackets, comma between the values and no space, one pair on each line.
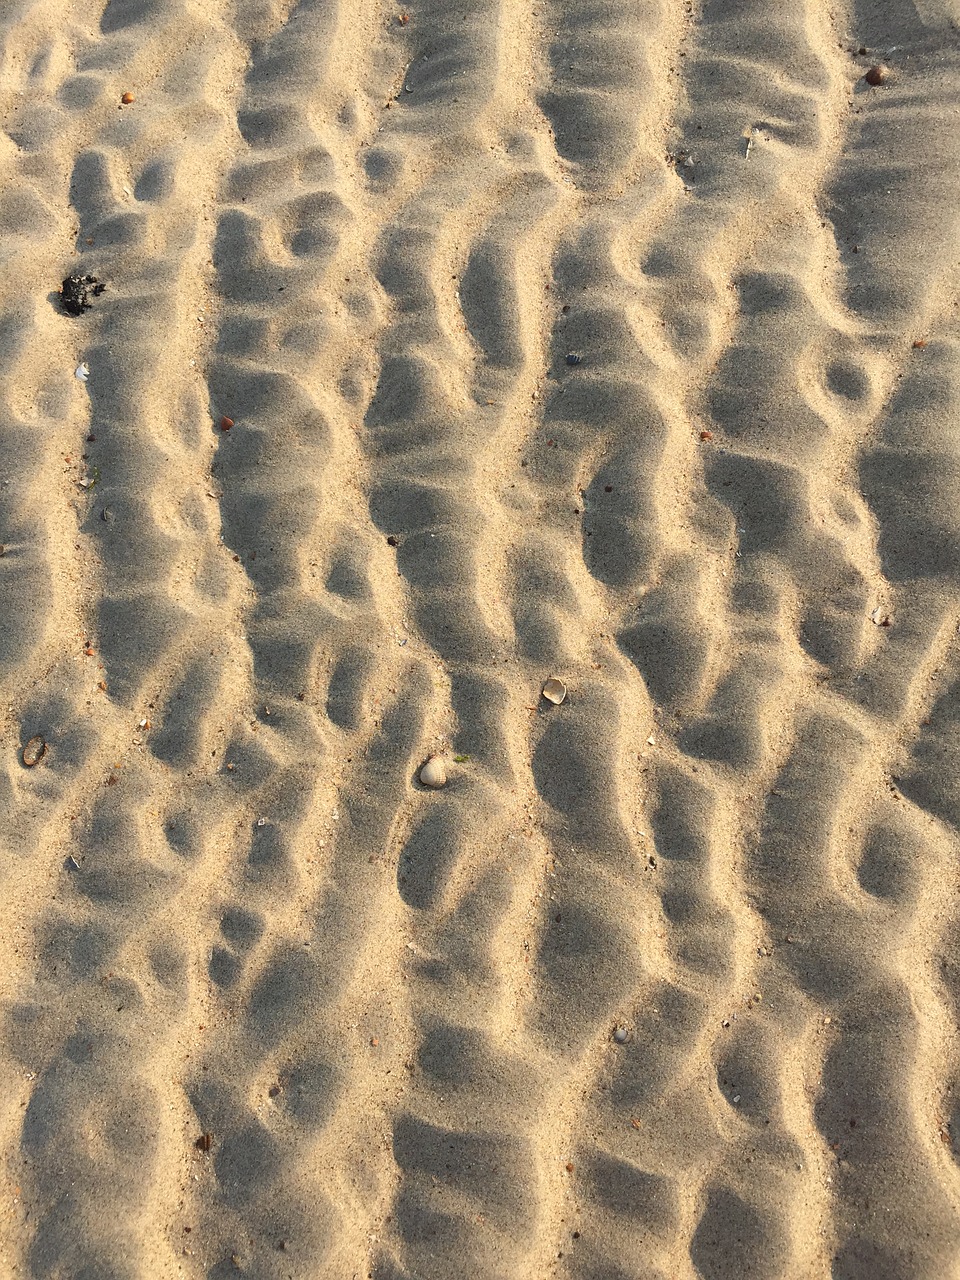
[665,982]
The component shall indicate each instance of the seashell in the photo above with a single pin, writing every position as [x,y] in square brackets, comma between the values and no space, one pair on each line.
[554,691]
[433,773]
[34,751]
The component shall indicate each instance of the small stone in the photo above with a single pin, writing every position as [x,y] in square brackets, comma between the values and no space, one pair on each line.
[82,372]
[620,1033]
[34,751]
[204,1142]
[433,774]
[554,691]
[127,98]
[574,359]
[877,75]
[226,424]
[393,540]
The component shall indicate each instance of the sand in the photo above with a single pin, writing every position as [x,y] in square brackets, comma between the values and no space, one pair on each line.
[609,341]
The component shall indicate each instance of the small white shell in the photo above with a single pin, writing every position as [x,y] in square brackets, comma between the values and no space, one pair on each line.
[82,372]
[433,774]
[554,691]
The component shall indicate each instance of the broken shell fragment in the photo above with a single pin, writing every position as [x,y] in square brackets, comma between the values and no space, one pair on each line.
[34,751]
[433,774]
[554,691]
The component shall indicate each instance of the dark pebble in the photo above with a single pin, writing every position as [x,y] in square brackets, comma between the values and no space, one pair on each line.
[877,75]
[573,358]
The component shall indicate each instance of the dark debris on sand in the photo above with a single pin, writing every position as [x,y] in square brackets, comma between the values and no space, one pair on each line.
[76,292]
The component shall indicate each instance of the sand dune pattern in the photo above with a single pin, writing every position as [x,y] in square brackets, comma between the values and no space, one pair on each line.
[445,350]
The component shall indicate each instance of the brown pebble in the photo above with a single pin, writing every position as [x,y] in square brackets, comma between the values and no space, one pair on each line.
[706,435]
[127,98]
[919,344]
[879,74]
[403,18]
[226,424]
[34,751]
[204,1142]
[569,1168]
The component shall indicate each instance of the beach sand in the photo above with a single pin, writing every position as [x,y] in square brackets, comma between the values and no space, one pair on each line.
[442,352]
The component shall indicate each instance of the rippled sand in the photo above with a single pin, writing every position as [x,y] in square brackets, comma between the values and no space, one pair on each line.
[611,341]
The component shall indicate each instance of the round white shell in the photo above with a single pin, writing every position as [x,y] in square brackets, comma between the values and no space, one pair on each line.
[433,773]
[554,691]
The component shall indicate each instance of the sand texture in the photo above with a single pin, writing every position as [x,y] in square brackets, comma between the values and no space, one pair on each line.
[610,341]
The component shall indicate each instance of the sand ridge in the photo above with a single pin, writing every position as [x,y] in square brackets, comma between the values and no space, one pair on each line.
[446,348]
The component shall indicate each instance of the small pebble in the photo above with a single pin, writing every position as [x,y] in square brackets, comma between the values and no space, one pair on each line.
[127,98]
[573,358]
[82,372]
[620,1033]
[226,424]
[879,74]
[433,774]
[34,751]
[554,691]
